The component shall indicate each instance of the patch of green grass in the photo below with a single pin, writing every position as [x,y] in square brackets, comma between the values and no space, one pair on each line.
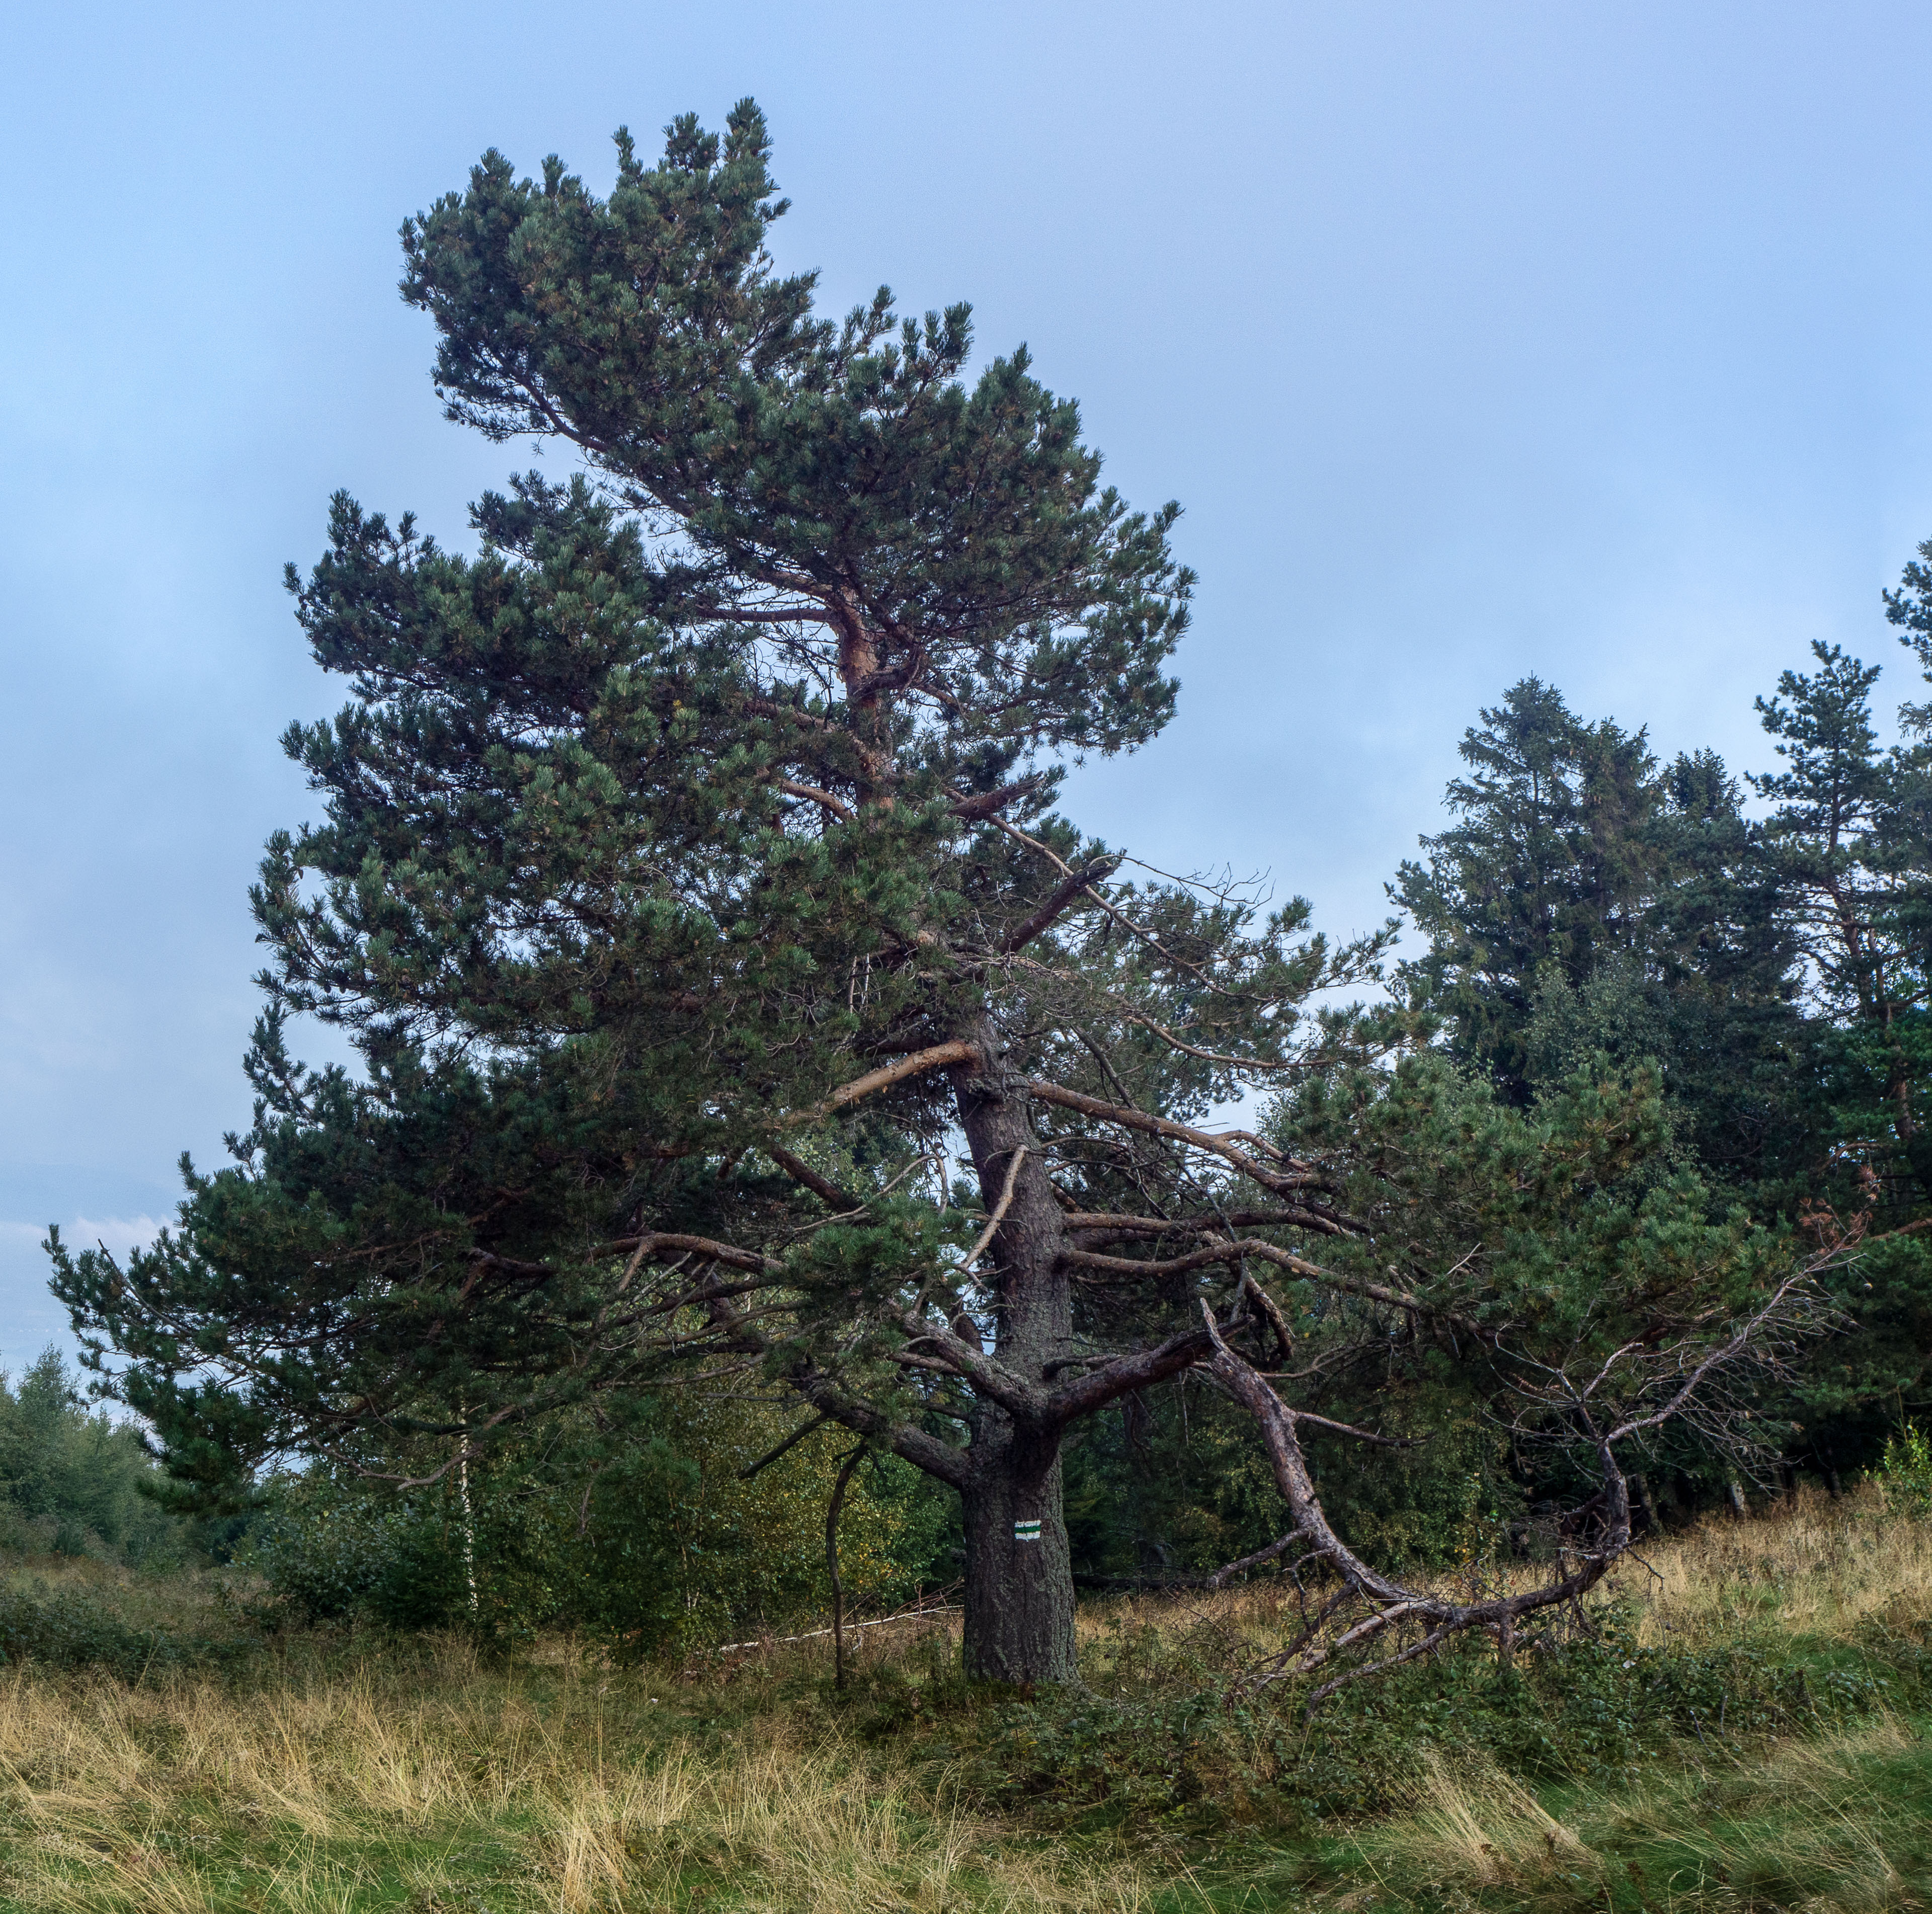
[1838,1821]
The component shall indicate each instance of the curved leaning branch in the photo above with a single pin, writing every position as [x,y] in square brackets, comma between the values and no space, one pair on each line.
[1390,1602]
[1668,1386]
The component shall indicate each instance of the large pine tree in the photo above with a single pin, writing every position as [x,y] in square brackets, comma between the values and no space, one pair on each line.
[689,880]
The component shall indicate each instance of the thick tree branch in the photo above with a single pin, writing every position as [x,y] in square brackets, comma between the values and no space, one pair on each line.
[838,808]
[775,614]
[1299,1177]
[800,1171]
[923,1450]
[1389,1602]
[1139,1370]
[1128,1266]
[989,1377]
[980,806]
[1063,894]
[1100,1222]
[650,1244]
[938,1056]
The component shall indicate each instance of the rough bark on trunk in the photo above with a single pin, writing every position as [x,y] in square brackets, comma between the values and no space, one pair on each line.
[1646,1509]
[1019,1590]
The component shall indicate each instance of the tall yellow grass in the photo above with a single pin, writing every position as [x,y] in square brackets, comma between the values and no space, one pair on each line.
[1808,1564]
[424,1780]
[186,1797]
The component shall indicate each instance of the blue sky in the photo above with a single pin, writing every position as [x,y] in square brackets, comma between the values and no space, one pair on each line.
[1477,340]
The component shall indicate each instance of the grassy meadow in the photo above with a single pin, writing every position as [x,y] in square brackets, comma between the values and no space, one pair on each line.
[1740,1725]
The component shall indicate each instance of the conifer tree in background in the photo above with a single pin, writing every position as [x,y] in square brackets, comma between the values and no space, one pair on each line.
[1552,864]
[71,1480]
[1850,838]
[1588,899]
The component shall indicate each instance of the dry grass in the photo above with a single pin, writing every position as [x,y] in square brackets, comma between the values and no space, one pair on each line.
[416,1779]
[1478,1826]
[1840,1823]
[1807,1565]
[461,1790]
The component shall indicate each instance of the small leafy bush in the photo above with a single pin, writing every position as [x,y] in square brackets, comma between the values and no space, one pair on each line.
[1905,1470]
[329,1556]
[1214,1755]
[638,1532]
[65,1629]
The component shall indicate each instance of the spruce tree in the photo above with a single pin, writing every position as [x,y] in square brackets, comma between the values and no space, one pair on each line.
[1588,899]
[1847,838]
[690,880]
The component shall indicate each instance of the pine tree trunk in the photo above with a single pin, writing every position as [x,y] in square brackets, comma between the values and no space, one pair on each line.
[1019,1592]
[1645,1508]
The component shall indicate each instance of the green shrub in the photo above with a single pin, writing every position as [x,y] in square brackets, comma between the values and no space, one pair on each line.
[638,1532]
[1210,1754]
[64,1628]
[330,1555]
[1905,1470]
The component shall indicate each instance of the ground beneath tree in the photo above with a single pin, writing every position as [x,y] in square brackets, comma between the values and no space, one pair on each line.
[1740,1727]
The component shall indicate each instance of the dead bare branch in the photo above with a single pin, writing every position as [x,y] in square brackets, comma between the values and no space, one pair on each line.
[1656,1387]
